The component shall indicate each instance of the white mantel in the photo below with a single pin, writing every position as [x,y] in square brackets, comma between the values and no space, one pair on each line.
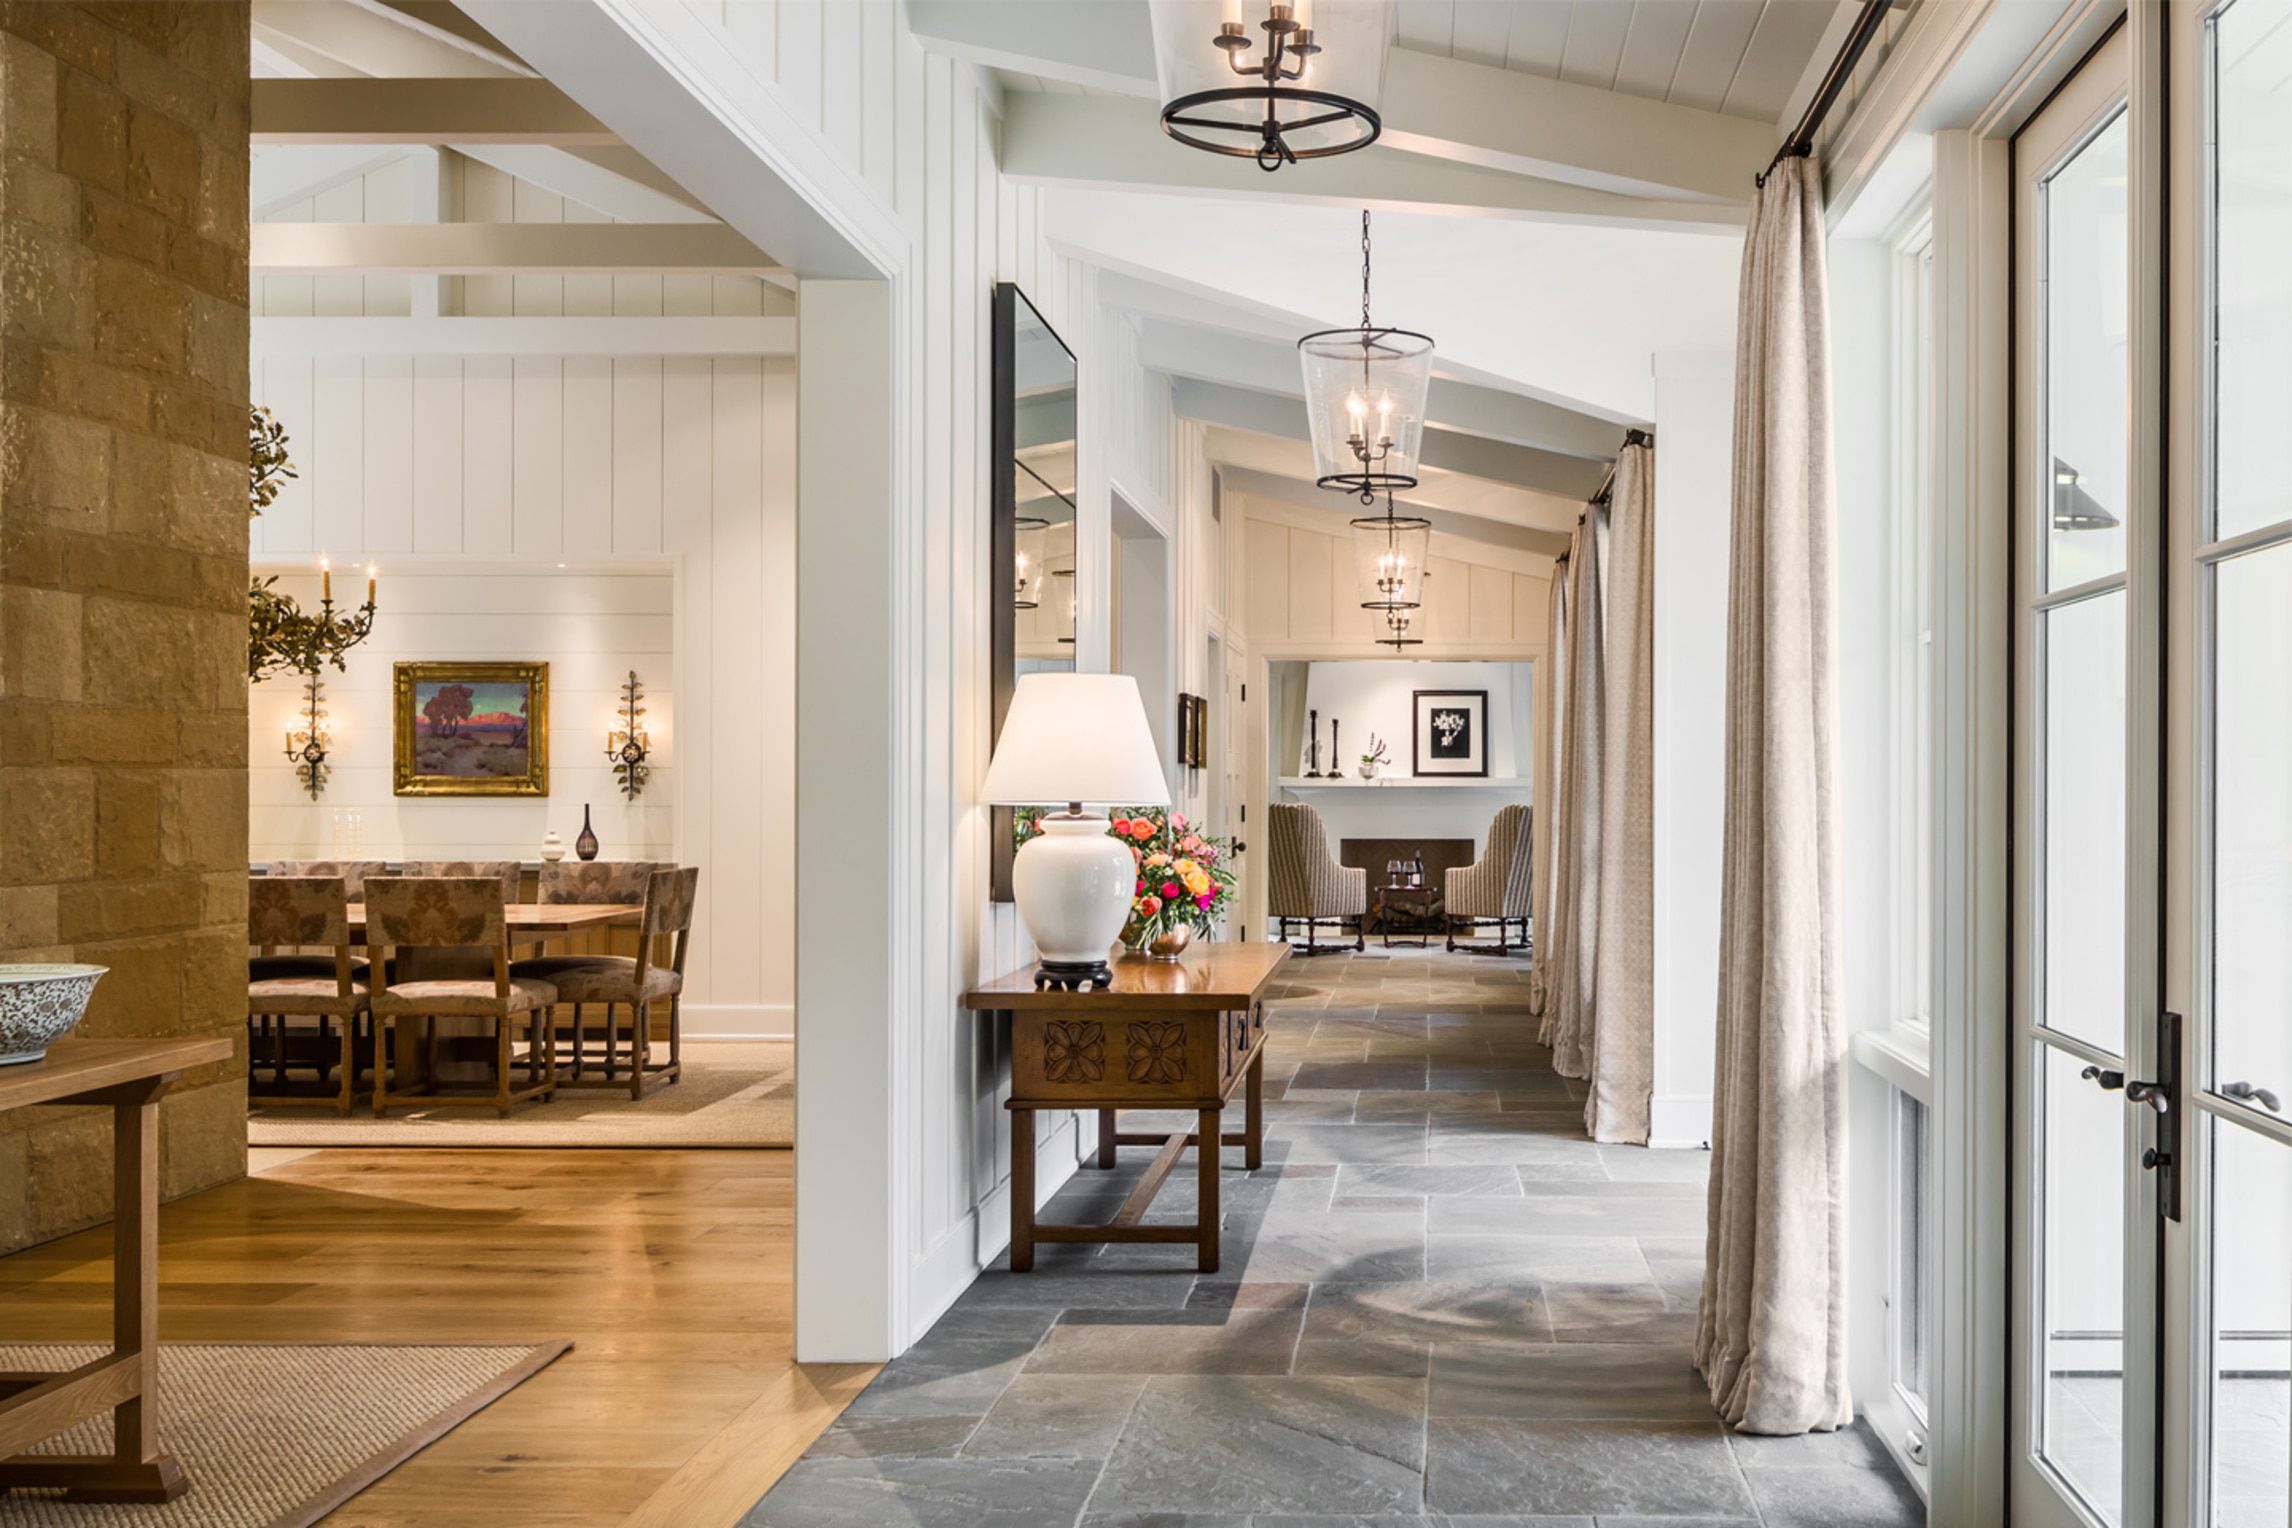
[1404,806]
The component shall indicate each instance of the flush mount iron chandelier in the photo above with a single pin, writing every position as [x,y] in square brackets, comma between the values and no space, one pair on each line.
[1365,399]
[1315,77]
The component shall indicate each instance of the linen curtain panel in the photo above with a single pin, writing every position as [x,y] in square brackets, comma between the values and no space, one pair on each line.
[1771,1333]
[1544,826]
[1568,1028]
[1621,1029]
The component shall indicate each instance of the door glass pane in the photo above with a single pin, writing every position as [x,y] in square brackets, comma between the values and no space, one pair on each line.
[2253,228]
[2251,1327]
[2084,1315]
[2252,823]
[2085,361]
[1910,1248]
[2084,811]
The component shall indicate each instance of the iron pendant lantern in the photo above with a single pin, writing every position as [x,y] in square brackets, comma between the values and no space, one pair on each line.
[1389,552]
[1269,81]
[1365,400]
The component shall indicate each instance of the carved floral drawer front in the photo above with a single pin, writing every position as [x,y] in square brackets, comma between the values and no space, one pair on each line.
[1126,1057]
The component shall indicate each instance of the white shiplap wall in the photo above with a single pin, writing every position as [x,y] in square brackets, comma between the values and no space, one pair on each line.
[679,467]
[590,628]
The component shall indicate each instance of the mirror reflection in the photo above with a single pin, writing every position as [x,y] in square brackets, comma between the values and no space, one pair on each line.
[1042,480]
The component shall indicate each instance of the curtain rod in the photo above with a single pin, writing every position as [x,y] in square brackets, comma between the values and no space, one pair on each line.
[1801,141]
[1608,484]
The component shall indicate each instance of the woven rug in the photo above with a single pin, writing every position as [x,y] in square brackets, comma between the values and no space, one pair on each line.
[277,1435]
[734,1093]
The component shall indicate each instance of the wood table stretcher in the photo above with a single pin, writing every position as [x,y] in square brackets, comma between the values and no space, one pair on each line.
[1166,1035]
[129,1076]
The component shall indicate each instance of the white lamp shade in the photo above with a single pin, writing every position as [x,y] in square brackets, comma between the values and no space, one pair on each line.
[1075,737]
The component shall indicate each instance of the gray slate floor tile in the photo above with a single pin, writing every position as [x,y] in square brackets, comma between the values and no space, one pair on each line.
[1195,1340]
[927,1493]
[1508,1465]
[1056,1416]
[1271,1445]
[1592,1381]
[1834,1498]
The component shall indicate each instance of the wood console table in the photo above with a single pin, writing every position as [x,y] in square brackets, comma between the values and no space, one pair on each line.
[1166,1035]
[130,1076]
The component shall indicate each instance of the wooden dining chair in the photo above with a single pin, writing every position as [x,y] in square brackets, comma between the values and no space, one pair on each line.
[304,913]
[279,960]
[594,883]
[408,914]
[634,983]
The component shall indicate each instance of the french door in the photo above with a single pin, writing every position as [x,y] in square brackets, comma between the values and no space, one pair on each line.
[2152,1355]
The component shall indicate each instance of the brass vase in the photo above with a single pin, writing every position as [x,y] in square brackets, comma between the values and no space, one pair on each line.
[1170,943]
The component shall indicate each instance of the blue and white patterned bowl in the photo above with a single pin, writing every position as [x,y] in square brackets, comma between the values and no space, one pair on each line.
[39,1004]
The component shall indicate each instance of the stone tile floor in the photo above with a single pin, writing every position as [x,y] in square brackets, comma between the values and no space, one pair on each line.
[1438,1303]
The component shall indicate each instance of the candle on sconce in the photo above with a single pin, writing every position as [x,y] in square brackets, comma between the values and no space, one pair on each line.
[325,581]
[370,571]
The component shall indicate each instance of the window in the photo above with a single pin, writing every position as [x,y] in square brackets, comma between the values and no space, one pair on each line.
[1910,1220]
[1911,623]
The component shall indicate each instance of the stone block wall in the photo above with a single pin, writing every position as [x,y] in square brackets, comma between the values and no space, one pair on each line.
[123,558]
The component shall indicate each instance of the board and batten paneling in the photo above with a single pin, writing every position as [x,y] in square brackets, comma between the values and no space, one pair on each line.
[590,628]
[678,467]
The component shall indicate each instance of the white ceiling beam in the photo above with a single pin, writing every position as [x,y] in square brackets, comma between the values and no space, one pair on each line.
[441,112]
[464,249]
[1444,108]
[614,337]
[1498,503]
[370,43]
[558,171]
[1270,366]
[444,21]
[1445,522]
[1115,143]
[1565,477]
[619,159]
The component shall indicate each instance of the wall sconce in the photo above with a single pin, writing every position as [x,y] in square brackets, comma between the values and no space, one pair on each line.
[626,744]
[306,745]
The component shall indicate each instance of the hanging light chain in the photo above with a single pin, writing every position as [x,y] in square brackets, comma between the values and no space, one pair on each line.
[1365,268]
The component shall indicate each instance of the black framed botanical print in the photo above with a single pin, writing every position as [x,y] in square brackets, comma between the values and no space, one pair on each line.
[1449,733]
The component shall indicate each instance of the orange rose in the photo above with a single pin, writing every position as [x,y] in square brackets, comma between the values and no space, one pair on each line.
[1141,829]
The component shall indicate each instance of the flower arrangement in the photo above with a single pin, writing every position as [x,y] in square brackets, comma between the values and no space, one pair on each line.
[1183,878]
[1375,759]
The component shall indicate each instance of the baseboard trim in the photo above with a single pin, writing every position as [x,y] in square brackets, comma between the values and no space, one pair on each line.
[738,1021]
[951,1263]
[1679,1123]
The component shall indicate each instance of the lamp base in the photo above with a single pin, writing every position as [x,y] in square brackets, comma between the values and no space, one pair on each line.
[1073,976]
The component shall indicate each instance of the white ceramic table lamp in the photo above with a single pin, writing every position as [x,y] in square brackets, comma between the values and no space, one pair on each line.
[1072,739]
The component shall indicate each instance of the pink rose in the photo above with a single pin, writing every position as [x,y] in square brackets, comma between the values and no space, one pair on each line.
[1141,886]
[1149,906]
[1171,888]
[1204,900]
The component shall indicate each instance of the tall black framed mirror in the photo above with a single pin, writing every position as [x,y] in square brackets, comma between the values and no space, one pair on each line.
[1031,554]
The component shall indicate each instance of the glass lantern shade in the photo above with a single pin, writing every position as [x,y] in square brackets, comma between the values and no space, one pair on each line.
[1270,81]
[1030,563]
[1389,554]
[1397,630]
[1062,595]
[1365,399]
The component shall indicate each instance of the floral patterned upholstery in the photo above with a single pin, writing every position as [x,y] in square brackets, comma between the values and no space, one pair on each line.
[305,995]
[473,999]
[297,910]
[414,912]
[504,871]
[601,979]
[669,896]
[598,881]
[352,873]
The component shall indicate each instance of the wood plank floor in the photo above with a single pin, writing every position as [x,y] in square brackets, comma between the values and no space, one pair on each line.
[671,1271]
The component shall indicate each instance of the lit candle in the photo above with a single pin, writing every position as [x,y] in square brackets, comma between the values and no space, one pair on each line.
[325,579]
[370,583]
[1385,417]
[1356,410]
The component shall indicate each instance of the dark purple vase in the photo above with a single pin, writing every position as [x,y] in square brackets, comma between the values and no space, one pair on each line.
[586,844]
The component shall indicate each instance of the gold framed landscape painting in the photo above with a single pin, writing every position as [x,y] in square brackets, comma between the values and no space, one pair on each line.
[471,729]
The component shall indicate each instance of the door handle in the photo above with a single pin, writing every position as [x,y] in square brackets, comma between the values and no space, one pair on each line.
[2157,1095]
[1240,847]
[2247,1093]
[2104,1076]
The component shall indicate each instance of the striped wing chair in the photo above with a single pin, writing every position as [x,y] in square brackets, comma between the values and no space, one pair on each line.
[1494,888]
[1307,884]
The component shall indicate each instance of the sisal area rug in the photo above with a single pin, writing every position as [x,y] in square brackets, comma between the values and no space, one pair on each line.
[734,1093]
[277,1435]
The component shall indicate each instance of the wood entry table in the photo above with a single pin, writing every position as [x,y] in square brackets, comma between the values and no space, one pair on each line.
[130,1076]
[1166,1035]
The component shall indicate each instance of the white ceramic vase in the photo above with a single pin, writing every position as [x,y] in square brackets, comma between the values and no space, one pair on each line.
[1073,883]
[39,1004]
[552,847]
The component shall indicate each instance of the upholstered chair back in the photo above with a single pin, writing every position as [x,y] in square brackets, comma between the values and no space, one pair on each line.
[669,895]
[598,881]
[1304,878]
[297,910]
[1518,870]
[435,912]
[504,871]
[352,873]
